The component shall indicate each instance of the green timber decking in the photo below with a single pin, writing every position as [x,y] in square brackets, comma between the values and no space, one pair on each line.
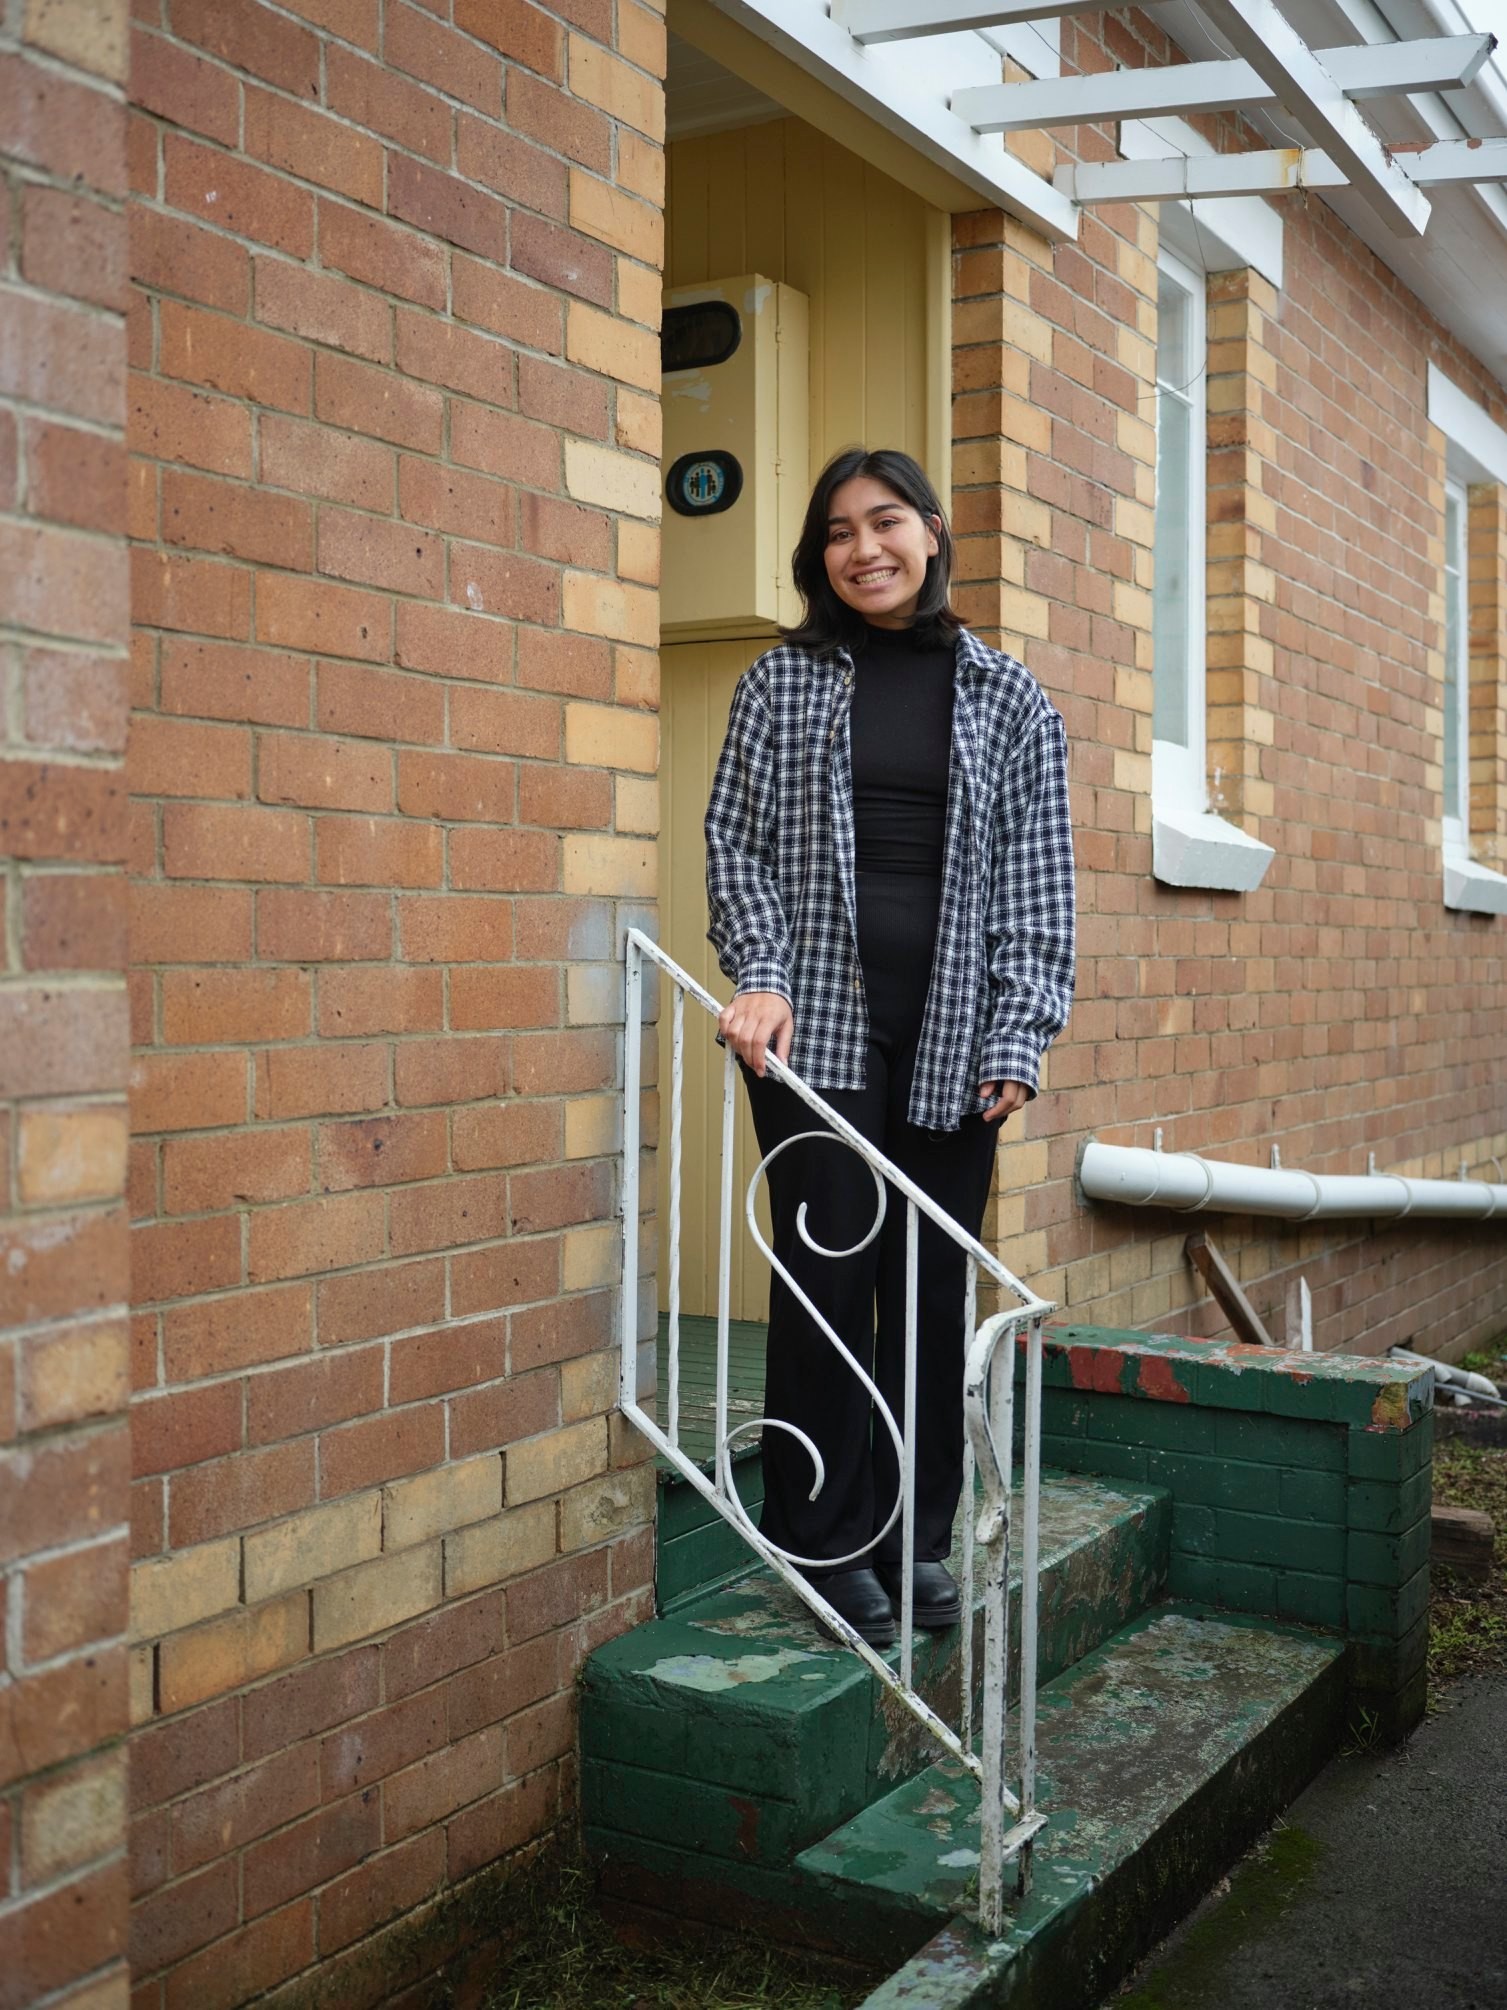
[698,1380]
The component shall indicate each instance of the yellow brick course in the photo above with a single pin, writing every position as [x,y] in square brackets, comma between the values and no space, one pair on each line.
[433,1503]
[377,1595]
[315,1544]
[605,736]
[175,1591]
[497,1551]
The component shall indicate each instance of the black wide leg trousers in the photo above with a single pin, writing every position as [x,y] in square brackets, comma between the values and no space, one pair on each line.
[807,1383]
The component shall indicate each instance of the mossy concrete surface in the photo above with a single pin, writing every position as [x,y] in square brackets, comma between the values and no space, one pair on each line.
[1162,1754]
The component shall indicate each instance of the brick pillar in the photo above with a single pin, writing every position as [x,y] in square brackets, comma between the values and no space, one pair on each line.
[64,630]
[1487,577]
[1241,589]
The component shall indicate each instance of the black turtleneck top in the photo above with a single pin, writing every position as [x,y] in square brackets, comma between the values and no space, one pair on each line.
[902,750]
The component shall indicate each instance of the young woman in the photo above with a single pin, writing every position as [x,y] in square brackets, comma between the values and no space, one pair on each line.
[890,883]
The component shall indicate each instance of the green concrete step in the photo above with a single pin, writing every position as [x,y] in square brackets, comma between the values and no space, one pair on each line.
[1161,1756]
[721,1739]
[695,1549]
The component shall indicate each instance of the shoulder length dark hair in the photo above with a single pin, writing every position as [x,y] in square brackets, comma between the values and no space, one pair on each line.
[826,621]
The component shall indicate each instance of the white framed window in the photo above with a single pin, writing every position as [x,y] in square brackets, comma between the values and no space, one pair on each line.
[1475,452]
[1178,623]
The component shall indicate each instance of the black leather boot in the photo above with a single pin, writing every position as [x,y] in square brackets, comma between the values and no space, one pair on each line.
[860,1598]
[938,1603]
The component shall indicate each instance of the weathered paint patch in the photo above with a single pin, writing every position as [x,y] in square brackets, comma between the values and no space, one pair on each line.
[1158,1379]
[1096,1368]
[710,1674]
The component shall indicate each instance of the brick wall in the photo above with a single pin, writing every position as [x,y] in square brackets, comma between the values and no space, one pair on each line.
[64,628]
[394,419]
[1340,1009]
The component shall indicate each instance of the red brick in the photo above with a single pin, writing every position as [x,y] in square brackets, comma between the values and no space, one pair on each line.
[564,798]
[547,1731]
[530,177]
[563,1063]
[179,1259]
[313,1394]
[248,201]
[561,257]
[238,1331]
[448,643]
[446,1214]
[502,1684]
[321,773]
[506,1134]
[455,787]
[252,1960]
[232,1494]
[573,665]
[374,552]
[503,1412]
[181,1917]
[239,522]
[185,1428]
[215,682]
[359,1754]
[315,460]
[572,128]
[61,582]
[310,1853]
[551,1197]
[62,1713]
[246,36]
[75,477]
[523,33]
[566,532]
[443,1782]
[169,591]
[447,929]
[148,1509]
[336,1689]
[379,705]
[62,1934]
[486,998]
[557,1595]
[205,841]
[502,582]
[381,254]
[222,1172]
[313,146]
[68,128]
[222,354]
[369,94]
[422,47]
[356,1003]
[171,423]
[329,620]
[509,306]
[170,1759]
[372,1303]
[74,701]
[450,1070]
[444,352]
[374,402]
[499,443]
[358,21]
[382,1151]
[454,1357]
[306,1237]
[323,308]
[184,89]
[317,1081]
[383,1448]
[210,1007]
[75,1600]
[59,1041]
[177,1092]
[561,395]
[170,757]
[9,461]
[504,861]
[62,358]
[373,851]
[72,245]
[170,923]
[501,1823]
[66,1491]
[505,722]
[390,1884]
[516,1273]
[441,1643]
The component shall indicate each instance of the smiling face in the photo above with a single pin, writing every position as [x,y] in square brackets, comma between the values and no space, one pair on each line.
[876,553]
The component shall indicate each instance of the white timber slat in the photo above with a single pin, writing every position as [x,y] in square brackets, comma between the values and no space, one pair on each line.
[1442,64]
[900,20]
[1305,88]
[1273,171]
[823,47]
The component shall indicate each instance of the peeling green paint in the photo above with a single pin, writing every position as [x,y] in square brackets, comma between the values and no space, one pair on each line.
[710,1675]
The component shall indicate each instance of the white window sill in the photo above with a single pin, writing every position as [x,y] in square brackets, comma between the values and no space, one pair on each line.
[1197,848]
[1472,888]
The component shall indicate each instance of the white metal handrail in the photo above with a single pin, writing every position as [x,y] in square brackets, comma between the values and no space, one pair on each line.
[988,1399]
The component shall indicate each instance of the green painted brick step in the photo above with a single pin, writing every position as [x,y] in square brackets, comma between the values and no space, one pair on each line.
[731,1730]
[1161,1755]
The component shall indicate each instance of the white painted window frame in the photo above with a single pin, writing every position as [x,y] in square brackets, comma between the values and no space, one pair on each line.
[1475,452]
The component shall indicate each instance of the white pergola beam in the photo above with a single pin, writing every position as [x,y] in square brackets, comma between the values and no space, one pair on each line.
[1203,177]
[824,49]
[899,20]
[1305,88]
[1382,71]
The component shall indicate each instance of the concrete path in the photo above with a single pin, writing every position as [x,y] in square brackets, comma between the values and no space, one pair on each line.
[1385,1888]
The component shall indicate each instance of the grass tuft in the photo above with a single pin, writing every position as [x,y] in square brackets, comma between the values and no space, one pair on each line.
[1468,1622]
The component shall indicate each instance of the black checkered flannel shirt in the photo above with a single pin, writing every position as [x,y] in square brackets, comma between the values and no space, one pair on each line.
[780,885]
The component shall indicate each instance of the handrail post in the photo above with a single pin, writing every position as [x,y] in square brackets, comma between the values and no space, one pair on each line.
[633,1041]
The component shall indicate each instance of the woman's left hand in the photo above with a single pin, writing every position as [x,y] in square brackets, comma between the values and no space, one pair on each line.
[1002,1099]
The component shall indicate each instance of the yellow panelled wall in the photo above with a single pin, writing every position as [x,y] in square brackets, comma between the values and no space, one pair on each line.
[873,261]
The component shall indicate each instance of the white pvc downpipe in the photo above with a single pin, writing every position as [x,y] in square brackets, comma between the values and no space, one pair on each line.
[1135,1177]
